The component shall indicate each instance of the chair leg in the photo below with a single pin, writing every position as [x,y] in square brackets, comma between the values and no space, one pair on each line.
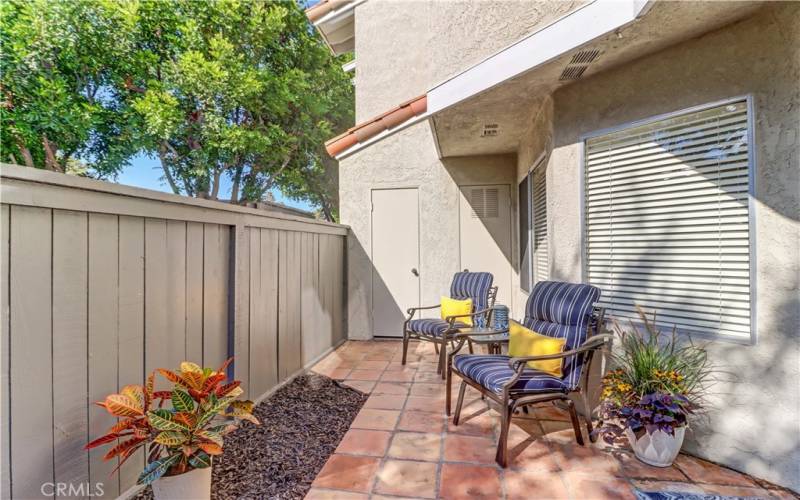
[436,348]
[448,390]
[502,443]
[461,389]
[576,425]
[469,344]
[443,357]
[588,417]
[405,347]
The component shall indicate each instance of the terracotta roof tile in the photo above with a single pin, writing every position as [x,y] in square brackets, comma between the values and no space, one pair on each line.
[374,126]
[322,7]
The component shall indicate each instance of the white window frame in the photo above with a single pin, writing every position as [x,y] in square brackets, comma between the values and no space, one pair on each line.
[751,201]
[541,162]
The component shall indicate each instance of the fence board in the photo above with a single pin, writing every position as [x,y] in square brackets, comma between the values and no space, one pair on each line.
[103,338]
[313,344]
[176,293]
[157,343]
[289,352]
[5,409]
[215,294]
[31,347]
[194,292]
[241,294]
[131,324]
[263,310]
[70,419]
[339,289]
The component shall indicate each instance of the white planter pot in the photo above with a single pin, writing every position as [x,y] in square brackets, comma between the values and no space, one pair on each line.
[658,449]
[193,485]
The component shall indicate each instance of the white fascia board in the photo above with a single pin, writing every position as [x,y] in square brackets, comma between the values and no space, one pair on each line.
[332,21]
[564,35]
[349,66]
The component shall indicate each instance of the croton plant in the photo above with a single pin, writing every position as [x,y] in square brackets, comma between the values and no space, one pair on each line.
[181,438]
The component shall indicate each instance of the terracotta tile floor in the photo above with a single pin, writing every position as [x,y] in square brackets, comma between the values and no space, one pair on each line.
[401,445]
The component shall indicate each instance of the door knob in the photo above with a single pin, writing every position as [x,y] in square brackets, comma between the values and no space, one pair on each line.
[414,271]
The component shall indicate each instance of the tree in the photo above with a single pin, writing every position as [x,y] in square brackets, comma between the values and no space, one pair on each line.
[238,89]
[58,62]
[226,88]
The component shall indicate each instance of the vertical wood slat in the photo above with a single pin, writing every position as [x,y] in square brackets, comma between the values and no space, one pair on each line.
[194,292]
[313,343]
[338,289]
[263,310]
[176,294]
[131,324]
[5,400]
[103,338]
[70,323]
[158,346]
[241,297]
[289,340]
[215,294]
[326,289]
[31,347]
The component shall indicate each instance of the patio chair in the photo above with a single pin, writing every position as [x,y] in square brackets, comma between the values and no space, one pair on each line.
[556,309]
[465,285]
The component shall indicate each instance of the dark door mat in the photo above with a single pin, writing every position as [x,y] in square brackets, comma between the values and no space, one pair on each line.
[301,426]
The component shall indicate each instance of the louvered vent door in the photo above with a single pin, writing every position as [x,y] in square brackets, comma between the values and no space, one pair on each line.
[485,233]
[666,215]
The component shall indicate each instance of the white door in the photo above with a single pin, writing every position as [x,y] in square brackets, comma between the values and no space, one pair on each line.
[395,258]
[485,234]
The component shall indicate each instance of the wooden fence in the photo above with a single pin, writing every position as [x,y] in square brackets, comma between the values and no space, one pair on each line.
[102,283]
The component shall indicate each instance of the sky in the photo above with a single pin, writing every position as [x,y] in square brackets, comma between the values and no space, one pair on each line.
[145,172]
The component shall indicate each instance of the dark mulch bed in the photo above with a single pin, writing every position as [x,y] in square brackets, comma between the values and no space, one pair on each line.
[301,425]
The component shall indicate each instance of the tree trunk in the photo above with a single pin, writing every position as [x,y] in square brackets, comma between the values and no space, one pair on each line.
[215,183]
[50,160]
[237,179]
[162,155]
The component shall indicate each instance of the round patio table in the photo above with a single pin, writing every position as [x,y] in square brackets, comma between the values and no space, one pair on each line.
[492,338]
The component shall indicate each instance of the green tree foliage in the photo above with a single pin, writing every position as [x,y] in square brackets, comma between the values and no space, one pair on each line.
[242,89]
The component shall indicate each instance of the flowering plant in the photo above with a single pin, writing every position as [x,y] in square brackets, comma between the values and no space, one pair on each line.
[185,437]
[657,384]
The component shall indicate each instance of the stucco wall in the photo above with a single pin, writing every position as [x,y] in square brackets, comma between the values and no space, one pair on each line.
[408,159]
[403,48]
[754,423]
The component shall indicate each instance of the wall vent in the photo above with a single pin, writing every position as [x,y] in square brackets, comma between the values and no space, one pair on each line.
[578,64]
[490,130]
[485,203]
[572,72]
[585,56]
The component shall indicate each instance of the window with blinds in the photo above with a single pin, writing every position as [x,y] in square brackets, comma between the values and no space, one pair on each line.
[666,219]
[533,228]
[539,222]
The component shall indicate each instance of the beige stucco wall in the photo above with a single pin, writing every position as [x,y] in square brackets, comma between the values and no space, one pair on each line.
[404,47]
[409,159]
[754,423]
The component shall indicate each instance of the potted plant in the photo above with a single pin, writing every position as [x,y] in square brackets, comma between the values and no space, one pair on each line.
[657,384]
[180,440]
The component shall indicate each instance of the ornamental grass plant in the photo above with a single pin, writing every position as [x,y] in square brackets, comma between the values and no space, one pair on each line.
[657,383]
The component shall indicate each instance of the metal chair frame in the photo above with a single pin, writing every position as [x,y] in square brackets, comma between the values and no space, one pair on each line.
[510,400]
[440,343]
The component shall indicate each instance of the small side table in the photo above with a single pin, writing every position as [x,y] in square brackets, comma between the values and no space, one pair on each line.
[493,338]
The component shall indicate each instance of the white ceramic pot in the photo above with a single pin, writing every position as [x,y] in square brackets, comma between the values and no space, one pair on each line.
[193,485]
[658,449]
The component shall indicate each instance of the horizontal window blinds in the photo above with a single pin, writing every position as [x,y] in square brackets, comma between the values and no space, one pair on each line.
[539,204]
[667,220]
[524,236]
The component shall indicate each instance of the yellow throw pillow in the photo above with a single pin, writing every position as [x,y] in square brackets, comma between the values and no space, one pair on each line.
[455,307]
[524,342]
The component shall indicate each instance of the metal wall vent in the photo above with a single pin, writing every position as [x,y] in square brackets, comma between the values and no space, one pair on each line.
[578,64]
[485,203]
[585,56]
[572,72]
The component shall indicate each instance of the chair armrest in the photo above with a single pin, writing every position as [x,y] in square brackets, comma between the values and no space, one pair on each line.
[451,319]
[594,342]
[412,310]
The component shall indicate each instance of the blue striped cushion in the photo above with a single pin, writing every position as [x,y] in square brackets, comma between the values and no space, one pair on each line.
[473,286]
[562,310]
[492,371]
[432,326]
